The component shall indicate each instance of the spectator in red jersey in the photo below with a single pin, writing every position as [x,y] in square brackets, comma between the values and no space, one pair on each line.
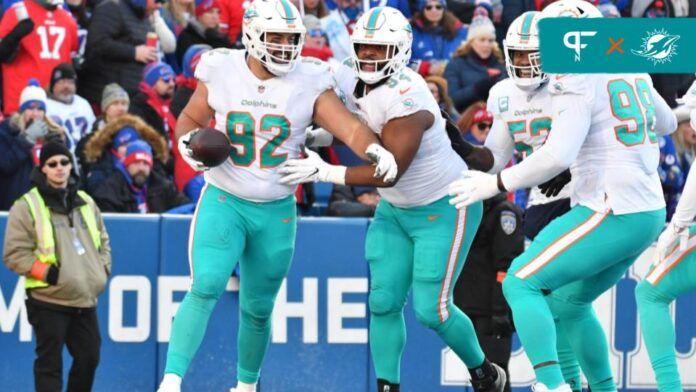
[116,47]
[231,15]
[187,180]
[36,36]
[202,30]
[21,137]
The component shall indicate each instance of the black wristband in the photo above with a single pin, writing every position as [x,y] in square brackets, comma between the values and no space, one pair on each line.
[501,186]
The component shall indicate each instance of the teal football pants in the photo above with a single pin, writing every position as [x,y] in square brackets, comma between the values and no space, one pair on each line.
[227,229]
[578,256]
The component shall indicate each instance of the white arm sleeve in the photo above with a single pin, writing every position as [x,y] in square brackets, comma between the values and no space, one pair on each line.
[166,37]
[665,120]
[570,125]
[500,144]
[686,209]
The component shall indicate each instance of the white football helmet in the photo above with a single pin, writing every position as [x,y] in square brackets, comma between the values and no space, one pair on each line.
[273,16]
[523,35]
[382,26]
[571,8]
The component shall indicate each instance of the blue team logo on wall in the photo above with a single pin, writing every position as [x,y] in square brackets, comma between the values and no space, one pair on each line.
[658,46]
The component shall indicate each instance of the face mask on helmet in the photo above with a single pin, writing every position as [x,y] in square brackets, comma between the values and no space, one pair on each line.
[382,37]
[265,24]
[521,46]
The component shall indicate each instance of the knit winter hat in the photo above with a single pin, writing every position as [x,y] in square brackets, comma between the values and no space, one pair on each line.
[192,57]
[113,92]
[156,71]
[481,25]
[62,71]
[52,149]
[482,115]
[423,3]
[138,151]
[33,96]
[126,135]
[203,6]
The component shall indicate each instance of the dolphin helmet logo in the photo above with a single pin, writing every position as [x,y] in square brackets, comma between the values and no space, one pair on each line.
[659,46]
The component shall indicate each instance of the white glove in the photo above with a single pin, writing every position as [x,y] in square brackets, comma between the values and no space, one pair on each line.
[187,154]
[472,187]
[318,137]
[689,99]
[311,169]
[385,162]
[669,239]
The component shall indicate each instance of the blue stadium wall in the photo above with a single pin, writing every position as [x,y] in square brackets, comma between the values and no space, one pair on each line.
[319,340]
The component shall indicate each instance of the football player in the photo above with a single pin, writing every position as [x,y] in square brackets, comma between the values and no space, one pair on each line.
[521,107]
[263,98]
[417,241]
[672,274]
[605,127]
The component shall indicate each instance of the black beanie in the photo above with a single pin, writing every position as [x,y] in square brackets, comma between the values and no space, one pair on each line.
[52,149]
[62,71]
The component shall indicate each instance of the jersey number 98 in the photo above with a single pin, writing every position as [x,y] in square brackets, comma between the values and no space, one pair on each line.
[634,106]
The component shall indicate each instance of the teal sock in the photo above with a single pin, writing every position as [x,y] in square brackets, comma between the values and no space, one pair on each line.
[536,329]
[188,330]
[567,360]
[658,335]
[387,342]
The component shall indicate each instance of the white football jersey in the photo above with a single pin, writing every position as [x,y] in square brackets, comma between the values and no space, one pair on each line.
[526,122]
[76,118]
[435,164]
[265,120]
[616,168]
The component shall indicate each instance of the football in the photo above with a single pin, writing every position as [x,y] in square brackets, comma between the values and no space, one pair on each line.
[210,146]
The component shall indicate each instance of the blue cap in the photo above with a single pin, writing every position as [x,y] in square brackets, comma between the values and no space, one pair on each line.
[156,71]
[126,135]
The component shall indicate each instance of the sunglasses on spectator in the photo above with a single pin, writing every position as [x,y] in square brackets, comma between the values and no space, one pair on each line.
[62,162]
[482,126]
[315,33]
[433,6]
[168,80]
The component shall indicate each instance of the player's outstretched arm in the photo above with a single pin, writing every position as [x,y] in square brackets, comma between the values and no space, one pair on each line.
[571,122]
[402,136]
[332,115]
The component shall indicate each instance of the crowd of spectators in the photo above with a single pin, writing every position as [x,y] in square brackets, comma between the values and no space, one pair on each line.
[108,78]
